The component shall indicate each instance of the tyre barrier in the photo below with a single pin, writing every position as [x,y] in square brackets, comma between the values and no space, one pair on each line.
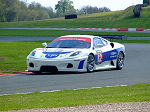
[137,9]
[72,16]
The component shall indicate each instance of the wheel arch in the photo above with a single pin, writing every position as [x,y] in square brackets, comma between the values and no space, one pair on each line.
[94,63]
[118,66]
[92,54]
[122,53]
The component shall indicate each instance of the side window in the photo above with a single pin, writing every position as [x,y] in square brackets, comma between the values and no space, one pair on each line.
[104,42]
[97,41]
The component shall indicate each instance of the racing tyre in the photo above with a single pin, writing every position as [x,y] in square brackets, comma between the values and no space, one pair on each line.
[120,61]
[90,63]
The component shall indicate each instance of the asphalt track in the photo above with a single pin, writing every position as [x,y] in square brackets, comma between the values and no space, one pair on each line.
[133,30]
[26,38]
[136,71]
[52,38]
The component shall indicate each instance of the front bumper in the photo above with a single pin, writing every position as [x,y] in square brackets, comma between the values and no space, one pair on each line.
[74,65]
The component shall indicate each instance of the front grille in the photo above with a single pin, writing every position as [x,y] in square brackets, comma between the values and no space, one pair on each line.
[49,69]
[31,65]
[69,65]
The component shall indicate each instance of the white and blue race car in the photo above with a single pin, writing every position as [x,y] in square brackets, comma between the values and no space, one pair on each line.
[77,53]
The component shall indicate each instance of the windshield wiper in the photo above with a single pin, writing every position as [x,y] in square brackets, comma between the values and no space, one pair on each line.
[49,47]
[65,47]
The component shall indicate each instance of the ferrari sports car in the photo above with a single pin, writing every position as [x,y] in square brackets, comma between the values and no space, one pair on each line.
[77,53]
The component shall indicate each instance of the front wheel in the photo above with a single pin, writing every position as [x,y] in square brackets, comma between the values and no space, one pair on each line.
[120,61]
[90,63]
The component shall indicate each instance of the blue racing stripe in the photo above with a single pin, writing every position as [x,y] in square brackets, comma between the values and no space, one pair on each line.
[81,64]
[108,56]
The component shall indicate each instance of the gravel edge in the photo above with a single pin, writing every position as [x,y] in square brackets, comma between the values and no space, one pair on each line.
[114,107]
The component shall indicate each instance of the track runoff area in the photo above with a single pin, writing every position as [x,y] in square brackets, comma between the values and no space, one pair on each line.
[135,71]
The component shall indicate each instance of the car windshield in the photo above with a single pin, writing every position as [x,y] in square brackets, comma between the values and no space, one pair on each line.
[72,43]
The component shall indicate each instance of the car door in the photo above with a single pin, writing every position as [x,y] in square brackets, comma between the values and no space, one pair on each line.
[103,51]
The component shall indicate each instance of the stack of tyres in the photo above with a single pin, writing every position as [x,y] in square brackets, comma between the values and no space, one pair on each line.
[146,2]
[72,16]
[137,10]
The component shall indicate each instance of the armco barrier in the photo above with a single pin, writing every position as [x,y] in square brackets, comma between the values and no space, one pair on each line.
[123,29]
[90,29]
[140,29]
[146,29]
[115,29]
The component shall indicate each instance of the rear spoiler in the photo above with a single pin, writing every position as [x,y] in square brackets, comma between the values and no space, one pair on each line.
[113,37]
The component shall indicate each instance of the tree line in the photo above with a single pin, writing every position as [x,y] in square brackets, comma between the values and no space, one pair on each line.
[16,10]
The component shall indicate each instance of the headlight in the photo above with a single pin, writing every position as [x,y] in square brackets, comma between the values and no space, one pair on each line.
[75,53]
[33,53]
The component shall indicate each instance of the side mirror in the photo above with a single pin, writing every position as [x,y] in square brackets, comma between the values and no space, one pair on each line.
[112,44]
[44,44]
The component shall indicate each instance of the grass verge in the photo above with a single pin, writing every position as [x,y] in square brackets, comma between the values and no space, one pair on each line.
[56,33]
[114,19]
[67,98]
[13,54]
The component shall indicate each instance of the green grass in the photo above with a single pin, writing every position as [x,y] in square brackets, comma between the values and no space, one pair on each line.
[56,33]
[115,19]
[67,98]
[13,54]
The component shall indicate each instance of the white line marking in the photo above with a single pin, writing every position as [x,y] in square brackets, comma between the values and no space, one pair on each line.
[95,87]
[62,90]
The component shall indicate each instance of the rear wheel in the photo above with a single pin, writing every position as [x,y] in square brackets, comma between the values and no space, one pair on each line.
[90,63]
[120,61]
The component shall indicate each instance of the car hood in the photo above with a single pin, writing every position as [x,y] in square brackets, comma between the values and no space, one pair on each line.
[57,53]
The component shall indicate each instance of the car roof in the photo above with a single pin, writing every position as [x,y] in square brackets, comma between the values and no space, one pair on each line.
[86,36]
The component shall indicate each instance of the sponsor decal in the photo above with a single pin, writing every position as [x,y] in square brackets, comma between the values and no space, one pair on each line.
[98,51]
[113,54]
[54,54]
[110,55]
[74,38]
[99,58]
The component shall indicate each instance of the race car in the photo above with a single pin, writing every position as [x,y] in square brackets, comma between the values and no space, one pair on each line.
[77,53]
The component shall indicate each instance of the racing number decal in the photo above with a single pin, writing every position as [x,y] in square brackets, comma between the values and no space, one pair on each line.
[99,57]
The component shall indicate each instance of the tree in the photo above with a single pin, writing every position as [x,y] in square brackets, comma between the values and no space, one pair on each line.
[2,12]
[90,10]
[38,12]
[19,10]
[22,13]
[3,19]
[51,12]
[64,7]
[10,9]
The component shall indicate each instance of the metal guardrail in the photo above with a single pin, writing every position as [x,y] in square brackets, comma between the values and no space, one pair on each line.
[113,37]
